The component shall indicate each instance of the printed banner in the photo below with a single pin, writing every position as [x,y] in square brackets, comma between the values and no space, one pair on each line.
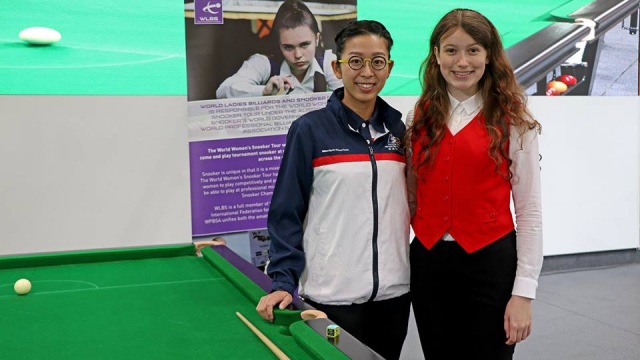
[251,74]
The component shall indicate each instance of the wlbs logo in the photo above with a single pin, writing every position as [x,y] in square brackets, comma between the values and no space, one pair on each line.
[210,8]
[208,12]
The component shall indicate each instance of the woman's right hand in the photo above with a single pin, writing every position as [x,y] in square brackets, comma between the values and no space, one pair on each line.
[269,301]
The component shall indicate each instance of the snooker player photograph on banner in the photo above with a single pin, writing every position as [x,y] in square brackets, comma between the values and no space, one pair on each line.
[236,48]
[116,47]
[253,67]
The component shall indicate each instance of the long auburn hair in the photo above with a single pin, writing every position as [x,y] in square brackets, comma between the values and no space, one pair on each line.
[504,100]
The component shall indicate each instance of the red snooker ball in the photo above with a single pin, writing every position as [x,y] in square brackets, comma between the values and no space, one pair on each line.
[569,80]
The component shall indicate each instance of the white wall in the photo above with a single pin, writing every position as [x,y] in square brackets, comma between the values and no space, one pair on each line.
[590,171]
[92,172]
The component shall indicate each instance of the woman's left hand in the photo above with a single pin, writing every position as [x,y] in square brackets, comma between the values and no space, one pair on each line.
[517,319]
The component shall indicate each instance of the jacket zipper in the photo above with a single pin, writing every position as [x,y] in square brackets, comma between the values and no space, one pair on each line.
[374,240]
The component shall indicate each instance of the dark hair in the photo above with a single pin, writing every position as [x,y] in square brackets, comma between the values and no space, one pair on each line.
[292,14]
[504,100]
[362,27]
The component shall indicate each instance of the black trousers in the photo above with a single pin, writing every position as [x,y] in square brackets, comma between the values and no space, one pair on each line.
[381,325]
[459,299]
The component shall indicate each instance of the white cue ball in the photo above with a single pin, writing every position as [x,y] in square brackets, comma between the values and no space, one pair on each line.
[22,286]
[40,36]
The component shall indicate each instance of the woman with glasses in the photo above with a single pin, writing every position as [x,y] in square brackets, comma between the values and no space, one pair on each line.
[339,216]
[299,66]
[474,149]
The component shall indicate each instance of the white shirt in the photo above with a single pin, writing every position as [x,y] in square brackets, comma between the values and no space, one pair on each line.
[525,190]
[254,73]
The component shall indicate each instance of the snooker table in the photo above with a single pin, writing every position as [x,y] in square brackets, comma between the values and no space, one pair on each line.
[160,302]
[538,35]
[114,47]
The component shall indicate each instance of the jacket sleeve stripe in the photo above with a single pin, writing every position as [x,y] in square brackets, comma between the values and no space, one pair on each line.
[336,159]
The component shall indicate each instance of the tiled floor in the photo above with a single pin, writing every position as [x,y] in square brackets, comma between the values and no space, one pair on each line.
[617,73]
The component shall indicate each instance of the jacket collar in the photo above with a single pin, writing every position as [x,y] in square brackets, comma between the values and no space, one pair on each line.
[384,116]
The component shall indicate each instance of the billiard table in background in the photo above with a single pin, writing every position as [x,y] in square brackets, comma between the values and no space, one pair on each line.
[161,302]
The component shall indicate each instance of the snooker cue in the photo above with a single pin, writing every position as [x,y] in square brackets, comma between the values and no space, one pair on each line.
[274,349]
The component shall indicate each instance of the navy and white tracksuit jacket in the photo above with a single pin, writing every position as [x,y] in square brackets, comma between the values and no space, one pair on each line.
[339,218]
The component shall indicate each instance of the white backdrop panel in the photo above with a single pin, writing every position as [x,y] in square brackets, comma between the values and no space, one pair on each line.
[93,172]
[590,176]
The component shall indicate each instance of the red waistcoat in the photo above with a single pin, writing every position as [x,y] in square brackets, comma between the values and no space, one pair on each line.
[462,193]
